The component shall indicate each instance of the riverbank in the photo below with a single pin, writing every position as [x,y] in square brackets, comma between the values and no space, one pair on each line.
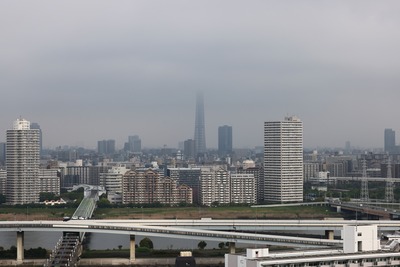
[22,213]
[143,262]
[160,262]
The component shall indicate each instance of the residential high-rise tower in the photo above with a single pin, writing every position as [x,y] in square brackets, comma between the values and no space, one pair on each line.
[35,125]
[22,163]
[199,128]
[283,160]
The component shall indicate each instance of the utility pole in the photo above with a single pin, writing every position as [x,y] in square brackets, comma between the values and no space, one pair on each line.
[389,183]
[364,183]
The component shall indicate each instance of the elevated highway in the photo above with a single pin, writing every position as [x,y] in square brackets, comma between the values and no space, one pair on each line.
[260,225]
[231,231]
[167,229]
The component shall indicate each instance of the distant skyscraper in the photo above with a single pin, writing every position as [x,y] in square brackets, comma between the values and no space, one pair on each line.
[136,143]
[225,140]
[189,149]
[199,129]
[390,141]
[106,147]
[348,147]
[22,162]
[283,160]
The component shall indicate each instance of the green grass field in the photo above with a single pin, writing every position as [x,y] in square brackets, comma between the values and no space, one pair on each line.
[229,212]
[234,212]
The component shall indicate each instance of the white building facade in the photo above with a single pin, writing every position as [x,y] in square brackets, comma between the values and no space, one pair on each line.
[243,188]
[360,248]
[283,160]
[215,186]
[112,180]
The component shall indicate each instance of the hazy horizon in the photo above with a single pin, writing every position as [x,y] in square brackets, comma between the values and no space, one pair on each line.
[94,70]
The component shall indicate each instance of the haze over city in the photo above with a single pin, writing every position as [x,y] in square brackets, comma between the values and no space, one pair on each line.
[93,70]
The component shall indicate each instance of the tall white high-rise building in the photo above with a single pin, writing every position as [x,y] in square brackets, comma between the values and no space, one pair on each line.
[283,160]
[22,163]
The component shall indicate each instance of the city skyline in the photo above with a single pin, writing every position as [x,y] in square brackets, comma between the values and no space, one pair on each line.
[107,70]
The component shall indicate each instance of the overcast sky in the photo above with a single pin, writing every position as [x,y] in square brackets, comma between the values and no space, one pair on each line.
[93,70]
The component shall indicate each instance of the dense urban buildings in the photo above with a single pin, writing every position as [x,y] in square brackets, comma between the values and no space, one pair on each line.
[276,174]
[283,160]
[187,176]
[22,163]
[146,186]
[225,140]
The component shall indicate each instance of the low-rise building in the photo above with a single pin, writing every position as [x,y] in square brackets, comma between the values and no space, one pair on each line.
[361,247]
[49,182]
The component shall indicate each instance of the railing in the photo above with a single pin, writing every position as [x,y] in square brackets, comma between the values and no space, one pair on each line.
[65,252]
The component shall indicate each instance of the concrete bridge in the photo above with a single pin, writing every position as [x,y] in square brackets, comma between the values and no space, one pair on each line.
[231,231]
[184,229]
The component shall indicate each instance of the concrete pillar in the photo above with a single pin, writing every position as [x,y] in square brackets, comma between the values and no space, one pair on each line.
[132,249]
[20,247]
[232,247]
[329,234]
[339,209]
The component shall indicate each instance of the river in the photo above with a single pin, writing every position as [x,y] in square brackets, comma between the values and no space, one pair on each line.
[97,241]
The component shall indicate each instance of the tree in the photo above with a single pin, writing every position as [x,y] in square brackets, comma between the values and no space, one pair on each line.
[202,245]
[47,196]
[146,242]
[221,245]
[103,203]
[215,204]
[2,199]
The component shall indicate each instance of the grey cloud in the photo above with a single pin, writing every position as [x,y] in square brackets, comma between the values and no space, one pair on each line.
[83,65]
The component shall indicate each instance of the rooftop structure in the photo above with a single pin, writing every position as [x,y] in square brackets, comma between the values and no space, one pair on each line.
[360,248]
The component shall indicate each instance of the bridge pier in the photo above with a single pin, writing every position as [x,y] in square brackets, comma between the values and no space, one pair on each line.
[132,244]
[20,247]
[330,234]
[232,247]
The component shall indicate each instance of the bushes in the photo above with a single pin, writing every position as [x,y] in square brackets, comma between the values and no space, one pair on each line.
[146,243]
[32,253]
